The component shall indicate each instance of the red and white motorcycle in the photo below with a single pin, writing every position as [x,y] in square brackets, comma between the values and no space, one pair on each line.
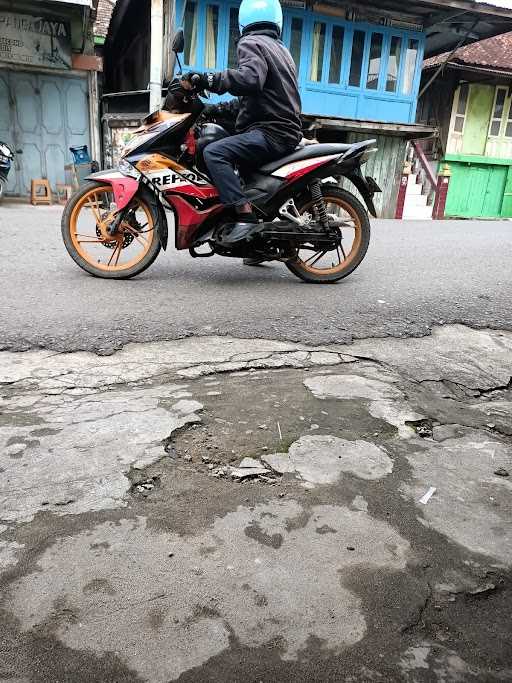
[116,224]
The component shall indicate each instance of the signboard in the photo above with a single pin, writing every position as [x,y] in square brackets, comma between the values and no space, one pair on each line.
[83,3]
[30,40]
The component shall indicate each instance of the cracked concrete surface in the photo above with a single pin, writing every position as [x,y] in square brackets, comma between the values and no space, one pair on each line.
[70,453]
[79,441]
[330,570]
[478,359]
[474,506]
[135,362]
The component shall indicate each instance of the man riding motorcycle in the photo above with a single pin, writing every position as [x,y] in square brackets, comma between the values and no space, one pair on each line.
[268,124]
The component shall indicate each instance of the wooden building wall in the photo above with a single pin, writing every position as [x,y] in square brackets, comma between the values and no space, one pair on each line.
[435,107]
[474,114]
[386,167]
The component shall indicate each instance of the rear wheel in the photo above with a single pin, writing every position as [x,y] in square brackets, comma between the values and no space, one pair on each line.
[323,266]
[130,250]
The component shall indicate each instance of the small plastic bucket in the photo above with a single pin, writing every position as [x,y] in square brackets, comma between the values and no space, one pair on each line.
[80,154]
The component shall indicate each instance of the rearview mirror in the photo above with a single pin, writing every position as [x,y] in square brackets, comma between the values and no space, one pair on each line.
[178,43]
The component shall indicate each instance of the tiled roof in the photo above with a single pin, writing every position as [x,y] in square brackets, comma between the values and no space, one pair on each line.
[105,9]
[493,53]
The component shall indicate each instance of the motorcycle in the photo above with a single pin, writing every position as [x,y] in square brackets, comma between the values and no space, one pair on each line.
[6,158]
[116,224]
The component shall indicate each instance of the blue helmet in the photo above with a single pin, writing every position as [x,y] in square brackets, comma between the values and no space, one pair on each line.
[260,12]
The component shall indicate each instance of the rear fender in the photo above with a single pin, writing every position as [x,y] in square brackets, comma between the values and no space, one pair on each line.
[124,187]
[357,150]
[356,178]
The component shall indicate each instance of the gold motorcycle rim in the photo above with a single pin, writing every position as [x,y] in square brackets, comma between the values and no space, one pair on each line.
[88,224]
[335,261]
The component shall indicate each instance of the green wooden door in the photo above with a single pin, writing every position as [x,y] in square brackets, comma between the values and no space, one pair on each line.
[478,116]
[506,208]
[476,190]
[493,200]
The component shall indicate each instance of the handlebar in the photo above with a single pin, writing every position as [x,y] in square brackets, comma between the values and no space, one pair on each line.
[182,100]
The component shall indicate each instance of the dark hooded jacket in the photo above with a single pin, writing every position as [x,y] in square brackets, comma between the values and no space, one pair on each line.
[266,85]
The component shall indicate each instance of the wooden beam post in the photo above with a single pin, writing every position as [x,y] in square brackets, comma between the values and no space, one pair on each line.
[157,36]
[443,185]
[169,59]
[402,191]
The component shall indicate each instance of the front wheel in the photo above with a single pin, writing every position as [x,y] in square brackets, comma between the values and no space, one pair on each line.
[130,250]
[315,265]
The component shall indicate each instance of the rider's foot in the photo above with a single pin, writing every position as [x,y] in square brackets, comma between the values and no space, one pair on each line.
[237,232]
[248,217]
[254,261]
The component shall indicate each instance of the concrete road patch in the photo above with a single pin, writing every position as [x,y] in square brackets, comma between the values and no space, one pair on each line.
[240,578]
[375,385]
[324,459]
[437,662]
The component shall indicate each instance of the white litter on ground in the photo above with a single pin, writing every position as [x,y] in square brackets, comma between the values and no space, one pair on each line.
[428,495]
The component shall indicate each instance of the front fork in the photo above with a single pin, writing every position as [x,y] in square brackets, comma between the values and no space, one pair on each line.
[158,210]
[114,225]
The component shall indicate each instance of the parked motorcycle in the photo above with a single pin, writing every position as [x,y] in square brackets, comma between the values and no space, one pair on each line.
[6,158]
[116,224]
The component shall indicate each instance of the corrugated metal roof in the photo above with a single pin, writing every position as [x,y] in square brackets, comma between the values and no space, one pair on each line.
[493,53]
[103,16]
[506,4]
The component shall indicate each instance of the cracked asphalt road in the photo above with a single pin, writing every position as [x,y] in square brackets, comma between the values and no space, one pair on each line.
[417,274]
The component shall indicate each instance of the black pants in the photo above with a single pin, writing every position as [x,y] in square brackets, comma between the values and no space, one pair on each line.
[245,151]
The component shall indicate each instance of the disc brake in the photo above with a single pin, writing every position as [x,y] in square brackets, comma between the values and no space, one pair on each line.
[127,240]
[128,236]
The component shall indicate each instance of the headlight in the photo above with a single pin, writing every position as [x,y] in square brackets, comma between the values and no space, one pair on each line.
[127,169]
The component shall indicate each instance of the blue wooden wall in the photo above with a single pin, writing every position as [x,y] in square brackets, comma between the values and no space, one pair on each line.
[350,70]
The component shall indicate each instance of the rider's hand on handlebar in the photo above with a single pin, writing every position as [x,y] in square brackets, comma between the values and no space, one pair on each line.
[194,81]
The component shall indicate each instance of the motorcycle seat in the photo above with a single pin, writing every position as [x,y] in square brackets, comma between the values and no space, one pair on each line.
[307,152]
